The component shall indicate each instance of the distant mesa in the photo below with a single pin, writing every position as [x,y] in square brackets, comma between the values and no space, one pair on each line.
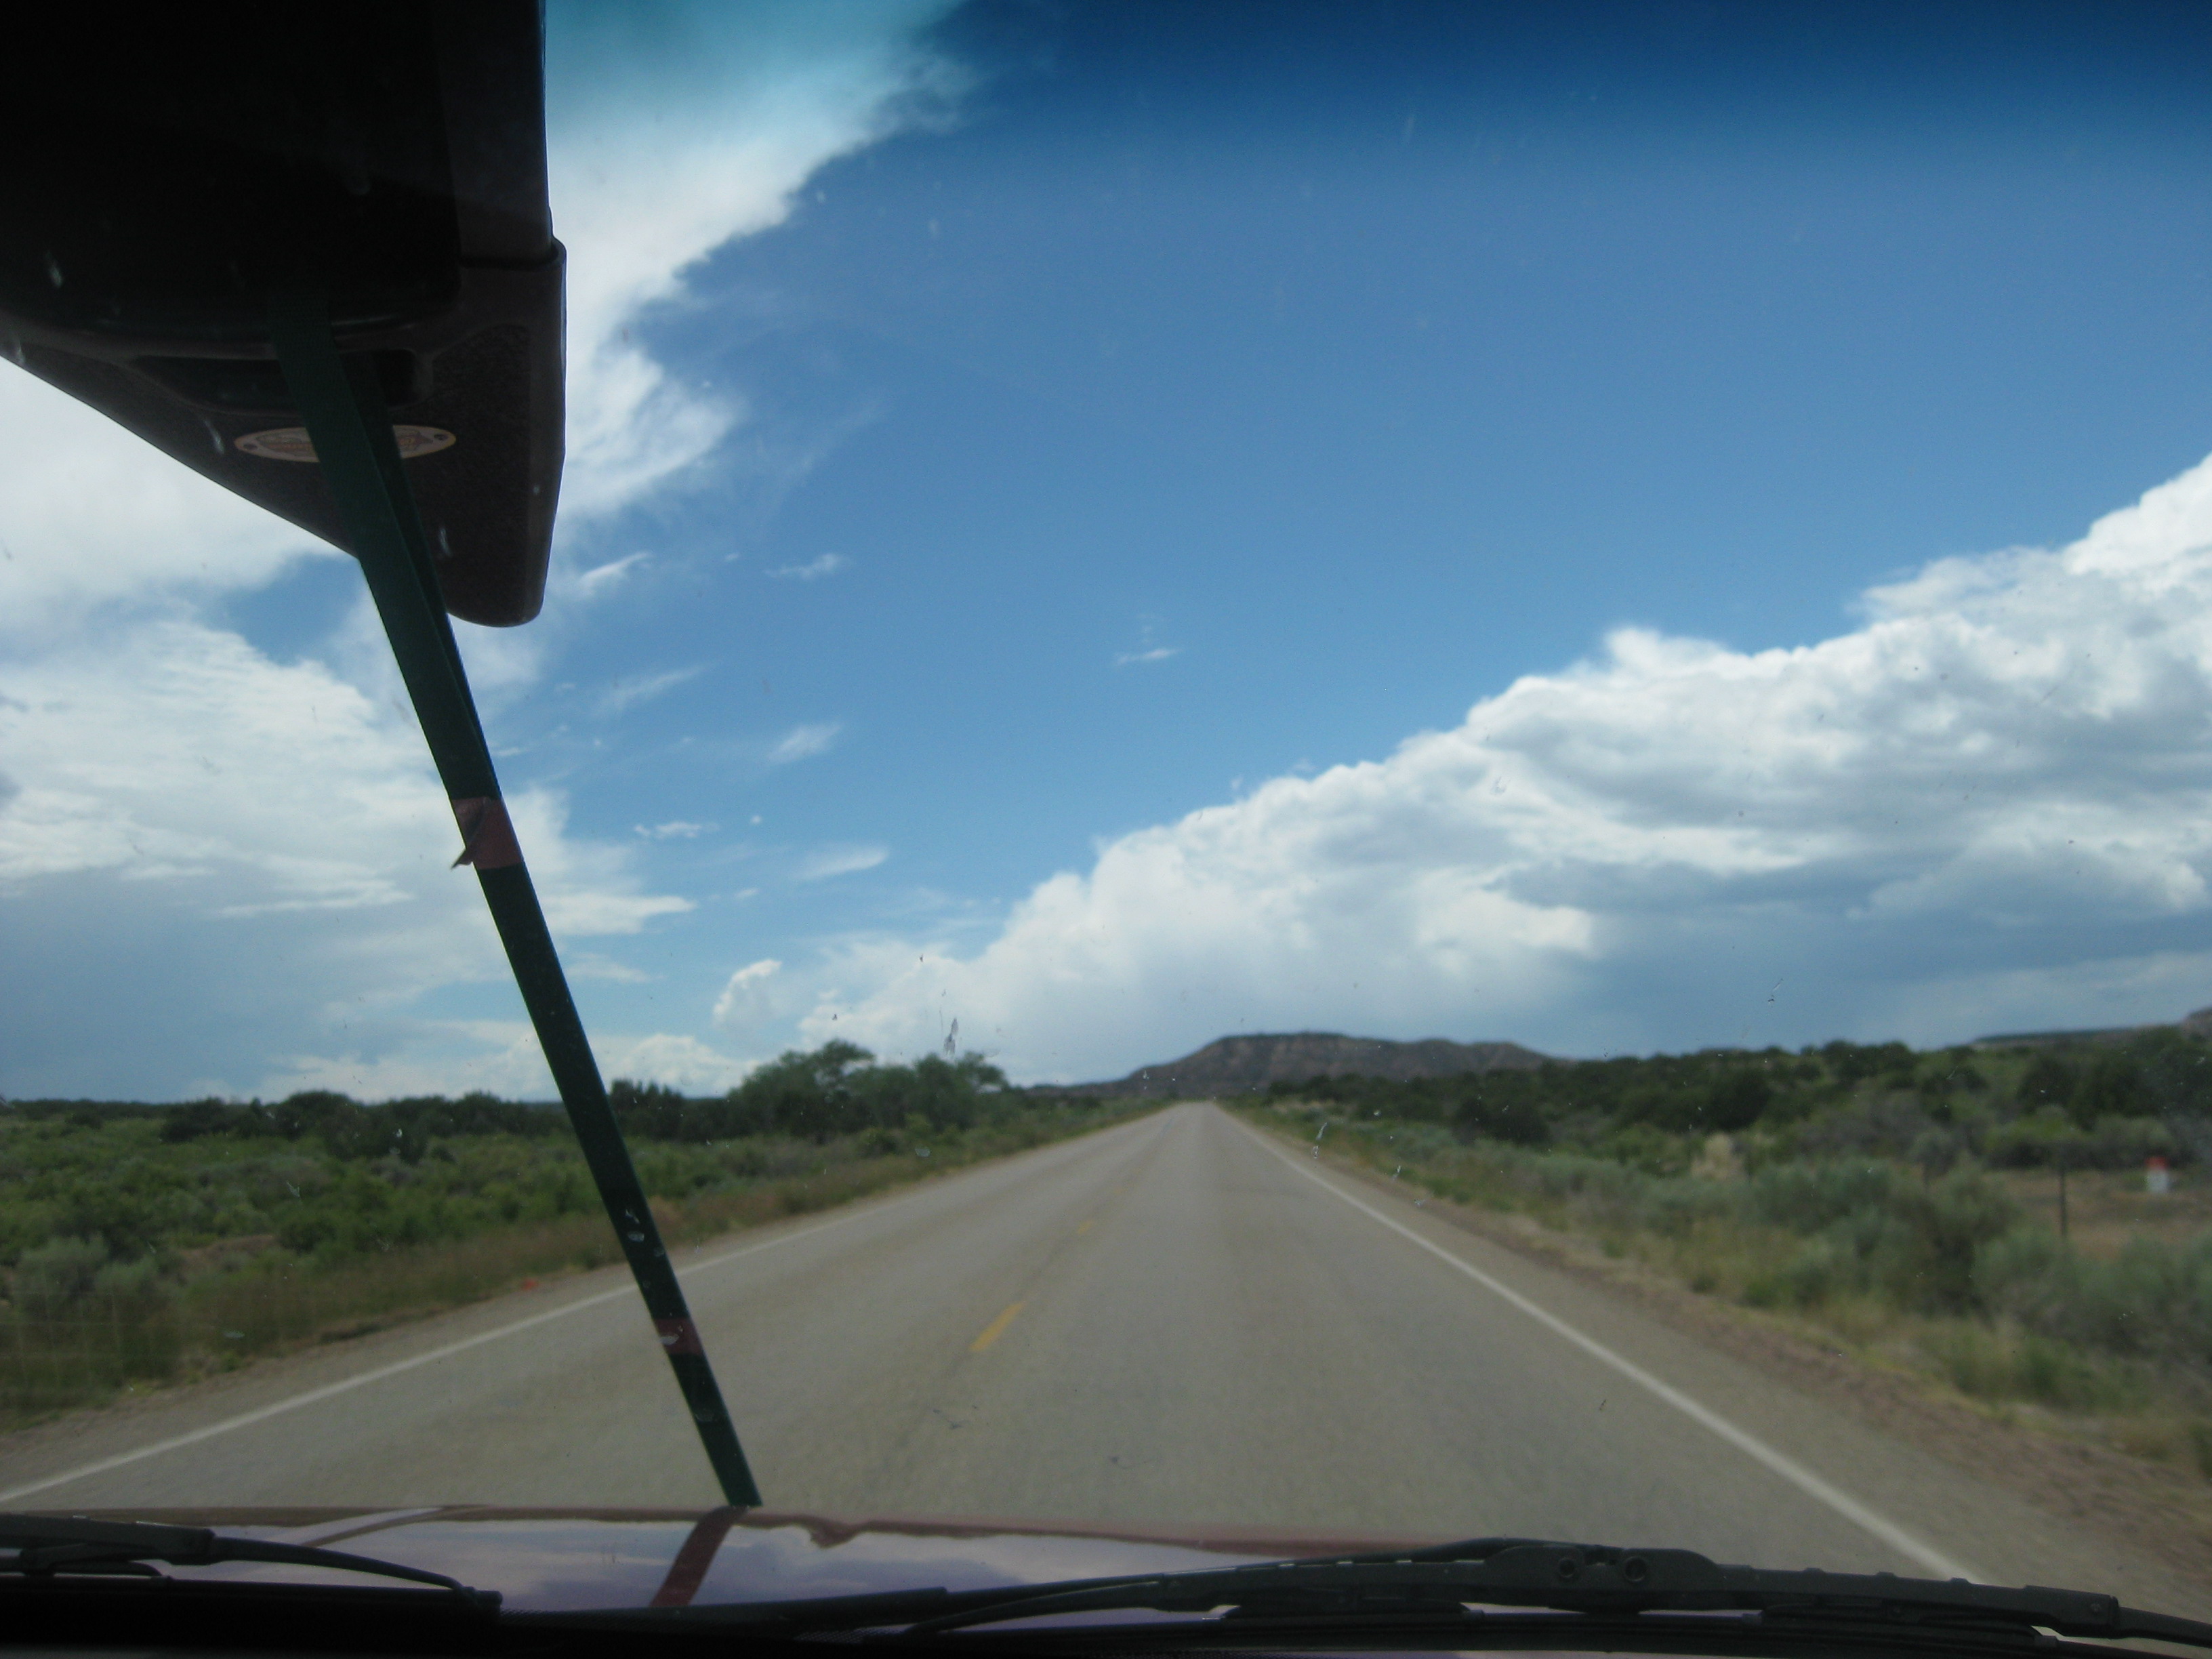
[1246,1065]
[2198,1024]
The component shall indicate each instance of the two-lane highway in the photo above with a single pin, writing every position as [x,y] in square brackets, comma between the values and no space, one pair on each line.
[1176,1320]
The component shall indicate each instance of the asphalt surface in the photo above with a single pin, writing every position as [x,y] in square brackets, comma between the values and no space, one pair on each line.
[1178,1321]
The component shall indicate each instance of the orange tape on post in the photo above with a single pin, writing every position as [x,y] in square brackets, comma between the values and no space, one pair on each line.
[487,835]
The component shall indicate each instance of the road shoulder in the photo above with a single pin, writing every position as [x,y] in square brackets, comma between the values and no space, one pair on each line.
[2135,1508]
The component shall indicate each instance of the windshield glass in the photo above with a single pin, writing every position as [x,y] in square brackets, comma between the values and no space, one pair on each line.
[1314,775]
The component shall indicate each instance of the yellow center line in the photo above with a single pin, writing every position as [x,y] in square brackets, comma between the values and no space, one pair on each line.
[995,1330]
[1085,1227]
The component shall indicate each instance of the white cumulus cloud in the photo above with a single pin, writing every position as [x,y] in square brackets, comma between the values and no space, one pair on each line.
[501,1057]
[673,1058]
[235,859]
[1989,806]
[604,579]
[672,130]
[749,1000]
[826,861]
[804,741]
[632,689]
[92,516]
[829,564]
[440,1057]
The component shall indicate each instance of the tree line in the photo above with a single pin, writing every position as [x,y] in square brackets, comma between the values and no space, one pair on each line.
[2104,1103]
[839,1089]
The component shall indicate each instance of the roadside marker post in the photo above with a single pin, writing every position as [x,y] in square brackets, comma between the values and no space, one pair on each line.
[350,426]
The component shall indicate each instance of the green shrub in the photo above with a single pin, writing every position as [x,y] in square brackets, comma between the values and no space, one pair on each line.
[1930,1259]
[2112,1086]
[2050,1079]
[57,1273]
[2054,1135]
[1817,1271]
[1516,1120]
[1738,1100]
[1998,1363]
[2155,1300]
[1808,1197]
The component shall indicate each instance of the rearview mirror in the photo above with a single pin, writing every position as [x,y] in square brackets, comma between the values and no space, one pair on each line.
[172,168]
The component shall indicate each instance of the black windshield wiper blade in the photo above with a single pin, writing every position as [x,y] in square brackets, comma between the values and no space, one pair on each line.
[1410,1590]
[45,1546]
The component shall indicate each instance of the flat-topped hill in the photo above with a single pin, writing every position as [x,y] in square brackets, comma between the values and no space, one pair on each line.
[1242,1065]
[2198,1024]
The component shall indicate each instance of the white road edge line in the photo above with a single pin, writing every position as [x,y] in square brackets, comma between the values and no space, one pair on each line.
[330,1391]
[1750,1445]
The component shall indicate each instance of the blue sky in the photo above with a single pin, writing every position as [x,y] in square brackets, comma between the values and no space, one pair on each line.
[1117,524]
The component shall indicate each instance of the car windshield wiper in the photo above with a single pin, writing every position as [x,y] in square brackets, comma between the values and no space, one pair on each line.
[1424,1596]
[46,1546]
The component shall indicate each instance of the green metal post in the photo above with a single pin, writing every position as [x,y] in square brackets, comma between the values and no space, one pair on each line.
[347,418]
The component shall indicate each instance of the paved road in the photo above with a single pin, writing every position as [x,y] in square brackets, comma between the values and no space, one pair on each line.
[1176,1321]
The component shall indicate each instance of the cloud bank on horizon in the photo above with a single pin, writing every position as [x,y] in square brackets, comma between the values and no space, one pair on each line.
[1986,807]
